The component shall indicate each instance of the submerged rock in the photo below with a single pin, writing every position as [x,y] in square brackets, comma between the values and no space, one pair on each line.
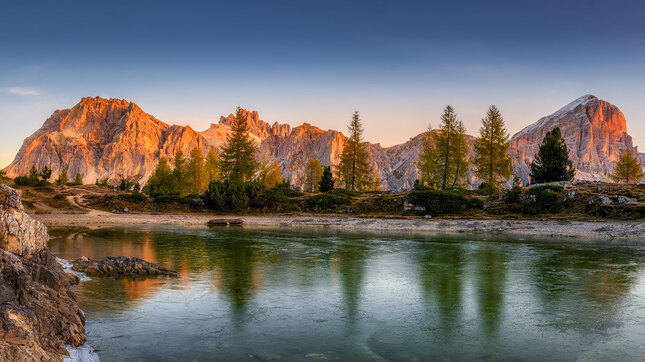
[119,265]
[38,312]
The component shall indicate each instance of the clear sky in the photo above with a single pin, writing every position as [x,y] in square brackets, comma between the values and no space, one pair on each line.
[397,62]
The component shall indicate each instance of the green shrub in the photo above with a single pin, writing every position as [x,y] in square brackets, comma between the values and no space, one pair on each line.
[344,192]
[233,196]
[28,181]
[545,199]
[169,199]
[59,197]
[28,204]
[326,201]
[134,197]
[437,202]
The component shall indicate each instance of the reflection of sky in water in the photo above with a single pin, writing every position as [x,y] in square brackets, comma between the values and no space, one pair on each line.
[280,294]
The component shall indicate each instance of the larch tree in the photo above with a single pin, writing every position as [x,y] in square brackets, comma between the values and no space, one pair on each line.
[196,171]
[180,173]
[354,170]
[313,174]
[62,177]
[492,161]
[237,160]
[442,162]
[628,168]
[270,174]
[552,163]
[162,181]
[212,166]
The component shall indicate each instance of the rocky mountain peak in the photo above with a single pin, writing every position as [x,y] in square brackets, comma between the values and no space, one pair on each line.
[595,132]
[258,127]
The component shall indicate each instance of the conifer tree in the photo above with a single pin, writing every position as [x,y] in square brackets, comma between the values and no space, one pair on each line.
[78,179]
[180,174]
[354,170]
[492,162]
[3,176]
[212,166]
[33,174]
[313,174]
[443,158]
[196,171]
[162,181]
[237,160]
[62,177]
[270,174]
[46,173]
[628,169]
[327,180]
[552,161]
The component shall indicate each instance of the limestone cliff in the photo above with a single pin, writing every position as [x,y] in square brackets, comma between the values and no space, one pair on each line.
[38,312]
[594,130]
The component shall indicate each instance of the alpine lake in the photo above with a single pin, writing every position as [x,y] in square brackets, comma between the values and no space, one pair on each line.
[283,294]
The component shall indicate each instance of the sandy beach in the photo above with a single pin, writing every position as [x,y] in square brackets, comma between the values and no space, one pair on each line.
[582,230]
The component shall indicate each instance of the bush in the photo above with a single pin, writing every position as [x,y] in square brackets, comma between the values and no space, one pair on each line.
[233,196]
[542,199]
[437,202]
[134,197]
[169,199]
[59,197]
[344,192]
[327,201]
[28,181]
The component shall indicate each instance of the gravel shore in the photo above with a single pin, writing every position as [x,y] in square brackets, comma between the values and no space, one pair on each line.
[584,230]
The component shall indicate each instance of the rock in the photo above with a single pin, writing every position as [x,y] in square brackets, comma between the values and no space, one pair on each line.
[125,209]
[605,200]
[225,222]
[120,265]
[624,200]
[427,216]
[594,130]
[407,206]
[419,208]
[38,314]
[19,233]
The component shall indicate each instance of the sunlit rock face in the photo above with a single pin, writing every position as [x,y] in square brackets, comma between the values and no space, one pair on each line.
[595,133]
[112,138]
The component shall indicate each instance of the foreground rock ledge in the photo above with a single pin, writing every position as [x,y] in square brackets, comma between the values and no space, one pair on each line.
[120,265]
[38,312]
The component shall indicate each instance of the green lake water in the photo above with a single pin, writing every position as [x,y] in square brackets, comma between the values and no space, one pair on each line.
[320,295]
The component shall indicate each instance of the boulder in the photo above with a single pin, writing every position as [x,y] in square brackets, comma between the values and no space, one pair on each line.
[120,265]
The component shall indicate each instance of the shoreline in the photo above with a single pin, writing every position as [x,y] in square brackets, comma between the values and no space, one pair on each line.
[579,230]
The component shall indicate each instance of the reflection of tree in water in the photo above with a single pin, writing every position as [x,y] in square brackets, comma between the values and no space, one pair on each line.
[490,277]
[582,287]
[350,260]
[441,279]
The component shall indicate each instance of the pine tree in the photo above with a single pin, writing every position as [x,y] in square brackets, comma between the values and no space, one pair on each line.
[442,162]
[180,174]
[33,174]
[552,161]
[196,172]
[3,176]
[162,180]
[62,177]
[78,179]
[212,166]
[313,174]
[46,173]
[237,160]
[327,180]
[270,174]
[354,170]
[628,169]
[492,162]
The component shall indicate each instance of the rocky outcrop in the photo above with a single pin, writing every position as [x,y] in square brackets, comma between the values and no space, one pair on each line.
[595,132]
[120,265]
[39,314]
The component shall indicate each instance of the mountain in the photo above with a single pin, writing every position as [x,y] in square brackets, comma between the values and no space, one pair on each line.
[111,138]
[594,130]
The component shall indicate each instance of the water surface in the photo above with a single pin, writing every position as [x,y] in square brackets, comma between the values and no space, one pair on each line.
[306,295]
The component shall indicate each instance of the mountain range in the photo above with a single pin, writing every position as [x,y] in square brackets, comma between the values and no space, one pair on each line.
[112,138]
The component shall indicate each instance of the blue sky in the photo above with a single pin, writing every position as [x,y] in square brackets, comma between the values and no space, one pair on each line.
[397,62]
